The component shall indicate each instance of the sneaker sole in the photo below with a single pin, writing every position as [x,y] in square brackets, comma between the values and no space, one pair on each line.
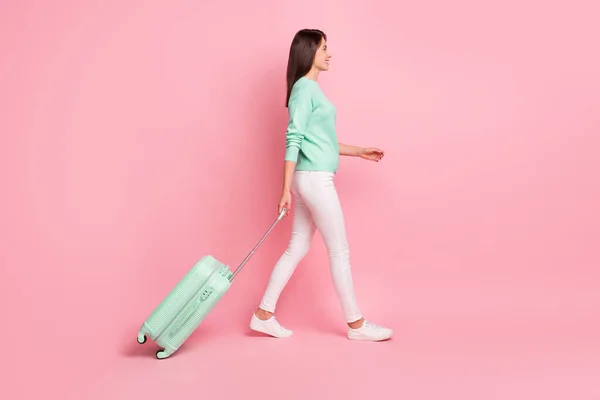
[361,338]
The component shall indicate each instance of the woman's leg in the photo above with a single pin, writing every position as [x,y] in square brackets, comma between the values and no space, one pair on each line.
[322,200]
[303,230]
[324,205]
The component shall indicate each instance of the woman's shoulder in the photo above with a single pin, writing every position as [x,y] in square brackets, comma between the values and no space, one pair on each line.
[306,83]
[303,87]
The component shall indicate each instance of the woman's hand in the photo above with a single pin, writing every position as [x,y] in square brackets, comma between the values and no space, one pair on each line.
[371,154]
[285,201]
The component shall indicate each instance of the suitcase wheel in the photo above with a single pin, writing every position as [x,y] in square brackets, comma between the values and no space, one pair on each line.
[141,338]
[162,354]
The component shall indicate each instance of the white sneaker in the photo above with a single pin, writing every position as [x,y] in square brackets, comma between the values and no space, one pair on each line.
[370,332]
[270,327]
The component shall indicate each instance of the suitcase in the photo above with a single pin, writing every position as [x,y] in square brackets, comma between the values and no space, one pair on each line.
[185,307]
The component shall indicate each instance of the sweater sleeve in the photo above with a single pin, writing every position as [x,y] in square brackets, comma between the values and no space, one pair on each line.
[300,108]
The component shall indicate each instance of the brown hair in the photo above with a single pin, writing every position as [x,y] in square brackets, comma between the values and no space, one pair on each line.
[302,55]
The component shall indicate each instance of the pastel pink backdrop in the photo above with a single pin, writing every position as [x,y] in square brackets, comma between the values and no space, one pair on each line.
[138,136]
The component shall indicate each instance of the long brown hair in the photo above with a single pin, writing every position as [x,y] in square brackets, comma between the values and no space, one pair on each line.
[302,55]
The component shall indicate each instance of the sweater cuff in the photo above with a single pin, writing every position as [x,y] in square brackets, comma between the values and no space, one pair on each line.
[291,153]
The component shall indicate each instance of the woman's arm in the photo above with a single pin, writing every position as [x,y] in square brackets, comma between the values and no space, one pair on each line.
[300,107]
[285,200]
[299,110]
[347,150]
[288,173]
[369,153]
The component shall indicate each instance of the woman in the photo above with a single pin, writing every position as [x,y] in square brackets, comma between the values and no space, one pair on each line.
[311,160]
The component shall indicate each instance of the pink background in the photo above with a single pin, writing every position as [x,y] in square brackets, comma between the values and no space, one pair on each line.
[138,136]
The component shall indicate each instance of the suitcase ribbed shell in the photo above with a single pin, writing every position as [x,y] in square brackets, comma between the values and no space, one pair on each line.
[186,306]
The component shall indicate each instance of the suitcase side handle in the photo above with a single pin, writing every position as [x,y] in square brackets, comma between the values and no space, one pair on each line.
[239,268]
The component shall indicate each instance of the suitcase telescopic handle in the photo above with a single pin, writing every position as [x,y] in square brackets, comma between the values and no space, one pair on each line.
[239,268]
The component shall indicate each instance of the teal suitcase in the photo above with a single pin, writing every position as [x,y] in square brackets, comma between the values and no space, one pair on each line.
[190,301]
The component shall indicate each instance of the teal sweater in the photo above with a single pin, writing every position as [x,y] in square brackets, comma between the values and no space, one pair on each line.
[311,139]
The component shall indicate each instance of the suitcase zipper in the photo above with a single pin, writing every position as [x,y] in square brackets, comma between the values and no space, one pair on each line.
[184,308]
[205,293]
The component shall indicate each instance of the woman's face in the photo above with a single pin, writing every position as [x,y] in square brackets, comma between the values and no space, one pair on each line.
[322,57]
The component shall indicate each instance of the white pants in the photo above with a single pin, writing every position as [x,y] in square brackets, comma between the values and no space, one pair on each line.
[317,206]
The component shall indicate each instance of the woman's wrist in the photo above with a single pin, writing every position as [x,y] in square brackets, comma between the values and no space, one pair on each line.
[356,151]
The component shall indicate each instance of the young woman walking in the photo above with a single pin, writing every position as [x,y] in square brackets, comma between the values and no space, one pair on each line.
[311,161]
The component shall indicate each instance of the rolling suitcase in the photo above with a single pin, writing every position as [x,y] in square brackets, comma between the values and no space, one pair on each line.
[189,302]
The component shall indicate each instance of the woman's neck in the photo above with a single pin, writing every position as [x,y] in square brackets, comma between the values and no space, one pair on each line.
[313,74]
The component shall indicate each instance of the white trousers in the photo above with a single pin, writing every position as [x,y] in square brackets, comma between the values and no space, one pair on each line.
[317,206]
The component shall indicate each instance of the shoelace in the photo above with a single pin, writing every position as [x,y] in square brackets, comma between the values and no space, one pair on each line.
[277,325]
[372,326]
